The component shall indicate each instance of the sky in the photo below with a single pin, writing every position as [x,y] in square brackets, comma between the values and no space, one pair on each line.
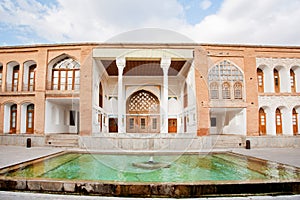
[262,22]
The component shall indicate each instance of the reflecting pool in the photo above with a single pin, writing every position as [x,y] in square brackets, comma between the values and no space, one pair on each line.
[215,167]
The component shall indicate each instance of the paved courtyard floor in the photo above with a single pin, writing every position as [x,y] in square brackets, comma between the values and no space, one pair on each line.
[10,155]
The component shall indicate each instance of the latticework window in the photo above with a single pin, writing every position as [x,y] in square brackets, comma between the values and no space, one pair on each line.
[226,75]
[214,90]
[238,91]
[66,75]
[226,91]
[143,102]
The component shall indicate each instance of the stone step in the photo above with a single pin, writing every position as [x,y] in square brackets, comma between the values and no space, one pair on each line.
[62,140]
[227,141]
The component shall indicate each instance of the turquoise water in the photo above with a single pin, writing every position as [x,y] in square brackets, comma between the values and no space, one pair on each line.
[184,168]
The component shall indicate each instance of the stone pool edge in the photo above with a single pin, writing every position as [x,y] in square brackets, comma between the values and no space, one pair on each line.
[171,190]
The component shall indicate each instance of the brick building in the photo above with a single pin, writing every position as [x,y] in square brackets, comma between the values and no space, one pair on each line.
[93,89]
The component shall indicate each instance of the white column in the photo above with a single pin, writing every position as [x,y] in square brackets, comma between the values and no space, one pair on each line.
[287,122]
[285,82]
[121,61]
[270,121]
[268,79]
[165,64]
[297,78]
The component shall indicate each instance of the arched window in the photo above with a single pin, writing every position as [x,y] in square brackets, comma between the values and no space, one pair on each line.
[238,90]
[278,122]
[262,122]
[226,90]
[214,90]
[1,77]
[295,122]
[292,79]
[66,75]
[15,79]
[30,119]
[226,75]
[260,80]
[31,78]
[276,81]
[13,118]
[100,95]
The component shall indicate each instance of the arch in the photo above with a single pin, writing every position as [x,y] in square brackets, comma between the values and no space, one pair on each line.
[29,75]
[142,102]
[238,90]
[260,80]
[142,108]
[226,90]
[65,73]
[276,80]
[227,75]
[296,70]
[262,122]
[214,90]
[12,76]
[278,121]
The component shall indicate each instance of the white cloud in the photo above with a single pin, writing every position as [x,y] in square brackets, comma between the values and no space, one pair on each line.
[237,21]
[255,22]
[205,4]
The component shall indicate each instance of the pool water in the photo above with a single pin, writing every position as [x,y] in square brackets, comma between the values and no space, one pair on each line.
[184,168]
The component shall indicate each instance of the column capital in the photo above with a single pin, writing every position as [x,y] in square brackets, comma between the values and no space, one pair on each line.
[165,62]
[121,62]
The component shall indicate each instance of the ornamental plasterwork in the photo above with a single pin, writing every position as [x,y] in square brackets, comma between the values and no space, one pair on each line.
[274,102]
[273,62]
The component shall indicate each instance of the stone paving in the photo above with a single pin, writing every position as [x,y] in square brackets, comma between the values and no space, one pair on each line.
[289,156]
[10,155]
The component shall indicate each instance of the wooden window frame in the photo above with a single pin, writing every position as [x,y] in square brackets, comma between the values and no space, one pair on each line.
[276,81]
[28,111]
[262,122]
[260,80]
[14,87]
[32,69]
[295,121]
[293,81]
[65,85]
[238,90]
[13,113]
[226,91]
[278,121]
[214,90]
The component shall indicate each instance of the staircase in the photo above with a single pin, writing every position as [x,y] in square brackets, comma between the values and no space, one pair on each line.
[62,140]
[228,141]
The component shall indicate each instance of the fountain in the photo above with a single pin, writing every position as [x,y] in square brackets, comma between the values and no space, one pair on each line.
[151,164]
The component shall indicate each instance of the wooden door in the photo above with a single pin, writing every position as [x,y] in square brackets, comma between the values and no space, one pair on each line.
[262,122]
[295,122]
[15,79]
[13,118]
[30,119]
[278,122]
[113,125]
[172,128]
[143,124]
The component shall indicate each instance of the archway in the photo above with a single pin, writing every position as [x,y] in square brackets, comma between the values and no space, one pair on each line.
[143,113]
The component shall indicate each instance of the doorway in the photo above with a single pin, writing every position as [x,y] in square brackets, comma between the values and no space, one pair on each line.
[172,128]
[113,125]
